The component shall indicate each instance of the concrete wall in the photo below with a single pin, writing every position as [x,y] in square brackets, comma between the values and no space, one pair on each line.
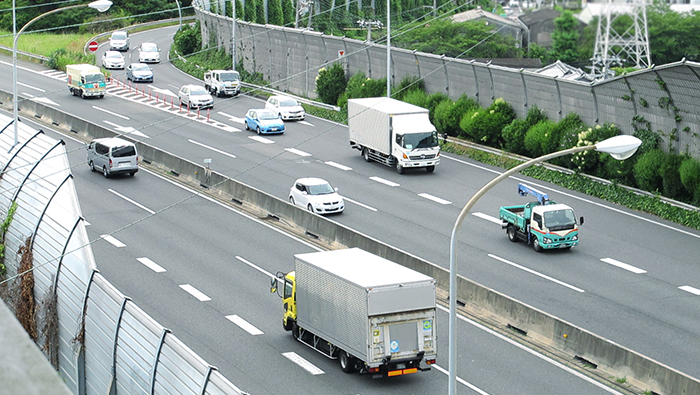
[615,360]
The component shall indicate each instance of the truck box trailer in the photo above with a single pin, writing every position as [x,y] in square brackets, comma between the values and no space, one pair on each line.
[372,314]
[85,80]
[393,133]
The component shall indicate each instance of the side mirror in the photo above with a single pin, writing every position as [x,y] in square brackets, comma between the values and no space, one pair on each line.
[304,193]
[580,221]
[273,285]
[336,189]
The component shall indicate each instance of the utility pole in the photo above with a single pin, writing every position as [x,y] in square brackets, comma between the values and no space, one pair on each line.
[368,24]
[311,12]
[233,35]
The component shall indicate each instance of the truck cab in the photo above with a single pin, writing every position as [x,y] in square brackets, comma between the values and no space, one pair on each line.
[288,294]
[222,82]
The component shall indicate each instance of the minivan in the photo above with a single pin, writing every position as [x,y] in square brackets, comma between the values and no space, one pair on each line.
[112,156]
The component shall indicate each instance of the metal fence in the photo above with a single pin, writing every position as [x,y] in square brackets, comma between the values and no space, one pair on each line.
[105,344]
[667,97]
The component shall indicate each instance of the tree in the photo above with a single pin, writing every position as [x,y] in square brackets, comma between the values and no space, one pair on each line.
[260,16]
[565,38]
[288,12]
[250,10]
[331,83]
[274,13]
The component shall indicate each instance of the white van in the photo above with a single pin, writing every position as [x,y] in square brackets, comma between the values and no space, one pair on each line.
[113,156]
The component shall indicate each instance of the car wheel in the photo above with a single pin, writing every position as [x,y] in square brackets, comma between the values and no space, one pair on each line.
[105,172]
[365,154]
[310,208]
[510,231]
[246,125]
[257,129]
[92,166]
[291,200]
[132,173]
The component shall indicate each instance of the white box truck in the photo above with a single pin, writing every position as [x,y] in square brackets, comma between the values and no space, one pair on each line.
[373,315]
[393,132]
[222,82]
[85,80]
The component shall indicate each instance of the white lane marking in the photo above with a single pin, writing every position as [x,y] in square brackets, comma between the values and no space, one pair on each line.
[296,151]
[434,198]
[111,240]
[383,181]
[151,265]
[690,289]
[488,217]
[231,117]
[110,112]
[164,91]
[536,273]
[254,266]
[617,210]
[338,165]
[86,222]
[305,123]
[46,100]
[533,352]
[623,265]
[211,148]
[359,204]
[261,139]
[245,325]
[462,381]
[195,292]
[230,129]
[308,366]
[139,205]
[31,87]
[126,129]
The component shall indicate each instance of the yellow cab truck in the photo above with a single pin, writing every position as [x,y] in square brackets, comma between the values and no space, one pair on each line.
[373,315]
[85,80]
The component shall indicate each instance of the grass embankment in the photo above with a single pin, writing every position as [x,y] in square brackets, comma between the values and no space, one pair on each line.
[46,43]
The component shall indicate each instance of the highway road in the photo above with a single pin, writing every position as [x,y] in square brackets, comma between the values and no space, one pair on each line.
[634,278]
[202,270]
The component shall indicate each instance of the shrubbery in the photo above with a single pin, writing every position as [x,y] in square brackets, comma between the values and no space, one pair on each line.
[331,83]
[485,125]
[60,58]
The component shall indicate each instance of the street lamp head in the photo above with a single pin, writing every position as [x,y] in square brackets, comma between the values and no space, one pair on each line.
[100,5]
[619,147]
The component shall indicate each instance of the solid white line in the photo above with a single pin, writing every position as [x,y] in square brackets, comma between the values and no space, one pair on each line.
[360,204]
[211,148]
[111,240]
[533,352]
[254,266]
[690,289]
[195,292]
[461,380]
[536,273]
[308,366]
[305,123]
[488,217]
[110,112]
[434,198]
[383,181]
[31,87]
[622,265]
[245,325]
[298,152]
[132,201]
[578,198]
[261,139]
[338,165]
[151,265]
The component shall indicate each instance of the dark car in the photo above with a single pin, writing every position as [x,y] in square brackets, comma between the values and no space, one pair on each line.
[139,72]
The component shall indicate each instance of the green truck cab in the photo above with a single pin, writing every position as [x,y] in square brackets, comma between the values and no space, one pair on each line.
[543,223]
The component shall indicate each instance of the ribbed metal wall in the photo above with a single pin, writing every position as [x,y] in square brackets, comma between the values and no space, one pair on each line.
[290,59]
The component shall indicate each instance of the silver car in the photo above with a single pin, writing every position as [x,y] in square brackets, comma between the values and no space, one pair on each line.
[149,53]
[195,96]
[286,107]
[139,72]
[112,60]
[112,156]
[119,41]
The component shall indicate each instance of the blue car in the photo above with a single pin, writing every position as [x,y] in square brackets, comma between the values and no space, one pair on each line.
[263,121]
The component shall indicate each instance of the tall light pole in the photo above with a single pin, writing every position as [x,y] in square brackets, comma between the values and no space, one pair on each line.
[99,5]
[233,35]
[619,147]
[388,48]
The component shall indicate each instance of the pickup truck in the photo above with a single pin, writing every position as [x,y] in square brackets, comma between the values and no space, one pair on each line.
[543,223]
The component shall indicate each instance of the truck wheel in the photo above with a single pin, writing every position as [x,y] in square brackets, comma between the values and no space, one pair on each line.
[510,231]
[536,244]
[365,154]
[399,168]
[347,363]
[295,331]
[430,169]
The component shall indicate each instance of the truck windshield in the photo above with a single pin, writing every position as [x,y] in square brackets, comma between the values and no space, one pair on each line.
[230,76]
[559,219]
[420,140]
[94,78]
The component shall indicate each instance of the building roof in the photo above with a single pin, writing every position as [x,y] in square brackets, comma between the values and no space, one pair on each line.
[563,71]
[534,17]
[478,13]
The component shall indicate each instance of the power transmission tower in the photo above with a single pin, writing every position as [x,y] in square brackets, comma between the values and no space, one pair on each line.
[629,47]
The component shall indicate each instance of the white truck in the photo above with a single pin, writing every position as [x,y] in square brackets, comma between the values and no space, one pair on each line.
[222,82]
[393,132]
[373,315]
[85,80]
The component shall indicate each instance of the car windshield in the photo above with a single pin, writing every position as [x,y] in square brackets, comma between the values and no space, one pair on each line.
[94,78]
[230,76]
[288,103]
[149,47]
[119,36]
[559,219]
[420,140]
[322,189]
[197,90]
[267,115]
[140,67]
[114,55]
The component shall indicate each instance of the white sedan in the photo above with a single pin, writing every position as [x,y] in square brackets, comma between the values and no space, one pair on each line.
[149,53]
[112,60]
[316,195]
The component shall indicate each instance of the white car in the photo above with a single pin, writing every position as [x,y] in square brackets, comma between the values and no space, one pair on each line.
[316,195]
[286,107]
[112,60]
[195,96]
[119,41]
[149,53]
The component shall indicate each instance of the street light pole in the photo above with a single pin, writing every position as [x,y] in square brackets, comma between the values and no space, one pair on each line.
[388,48]
[233,35]
[619,147]
[99,5]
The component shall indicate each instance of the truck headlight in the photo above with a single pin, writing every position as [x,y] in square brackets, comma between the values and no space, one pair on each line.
[546,240]
[574,238]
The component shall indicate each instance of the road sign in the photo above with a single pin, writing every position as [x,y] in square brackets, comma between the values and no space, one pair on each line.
[93,46]
[341,53]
